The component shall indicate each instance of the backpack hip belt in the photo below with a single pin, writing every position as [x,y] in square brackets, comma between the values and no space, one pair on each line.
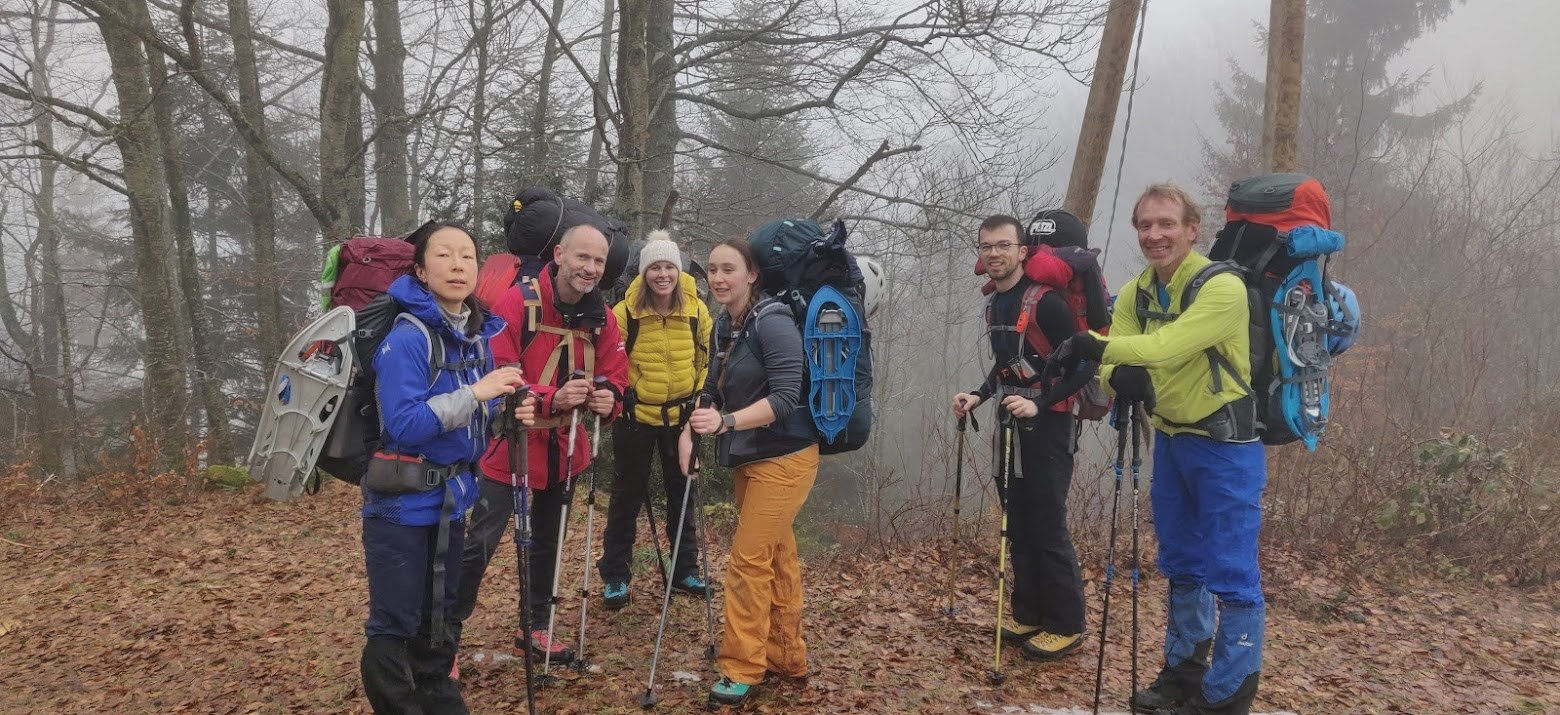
[683,407]
[1233,422]
[396,473]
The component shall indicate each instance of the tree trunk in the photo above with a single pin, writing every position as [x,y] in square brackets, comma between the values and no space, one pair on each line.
[140,150]
[338,93]
[258,194]
[395,211]
[479,120]
[541,121]
[598,137]
[1282,145]
[53,385]
[357,167]
[1099,117]
[634,96]
[206,371]
[661,145]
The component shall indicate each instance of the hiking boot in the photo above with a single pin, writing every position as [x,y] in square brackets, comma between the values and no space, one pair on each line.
[1049,646]
[729,692]
[1175,684]
[540,644]
[615,595]
[1237,704]
[1018,632]
[692,585]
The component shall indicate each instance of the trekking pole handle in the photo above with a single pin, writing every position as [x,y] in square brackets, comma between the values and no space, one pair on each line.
[693,459]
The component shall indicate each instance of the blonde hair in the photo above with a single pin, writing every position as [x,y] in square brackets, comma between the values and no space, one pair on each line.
[1167,191]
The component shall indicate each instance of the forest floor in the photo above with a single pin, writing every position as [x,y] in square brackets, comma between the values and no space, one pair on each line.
[226,603]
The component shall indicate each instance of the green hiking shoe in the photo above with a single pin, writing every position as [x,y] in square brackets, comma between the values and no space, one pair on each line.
[615,595]
[729,692]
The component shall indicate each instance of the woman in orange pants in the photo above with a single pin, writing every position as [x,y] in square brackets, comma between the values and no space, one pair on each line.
[767,437]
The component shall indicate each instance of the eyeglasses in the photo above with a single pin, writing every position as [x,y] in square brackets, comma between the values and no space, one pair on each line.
[999,247]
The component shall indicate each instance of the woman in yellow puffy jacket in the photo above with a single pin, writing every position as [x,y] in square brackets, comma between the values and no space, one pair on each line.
[666,332]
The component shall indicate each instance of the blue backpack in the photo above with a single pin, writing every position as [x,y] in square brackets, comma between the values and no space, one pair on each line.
[1276,239]
[810,271]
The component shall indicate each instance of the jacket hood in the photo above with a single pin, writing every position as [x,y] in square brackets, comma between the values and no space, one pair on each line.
[685,282]
[415,298]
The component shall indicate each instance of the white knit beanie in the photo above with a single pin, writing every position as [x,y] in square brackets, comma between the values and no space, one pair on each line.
[659,247]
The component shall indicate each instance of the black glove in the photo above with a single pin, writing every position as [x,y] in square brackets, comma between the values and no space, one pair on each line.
[1081,347]
[1133,385]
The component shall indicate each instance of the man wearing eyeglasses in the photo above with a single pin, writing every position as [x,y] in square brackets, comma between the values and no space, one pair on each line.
[1047,601]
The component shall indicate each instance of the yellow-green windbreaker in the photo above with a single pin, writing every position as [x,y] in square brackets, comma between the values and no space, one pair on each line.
[1173,351]
[665,367]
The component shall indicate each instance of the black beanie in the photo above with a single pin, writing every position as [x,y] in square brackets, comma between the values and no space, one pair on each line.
[1058,229]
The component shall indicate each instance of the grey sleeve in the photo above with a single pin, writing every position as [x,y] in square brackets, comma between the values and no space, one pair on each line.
[454,409]
[781,342]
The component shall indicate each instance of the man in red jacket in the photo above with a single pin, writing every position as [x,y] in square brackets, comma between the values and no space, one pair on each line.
[559,326]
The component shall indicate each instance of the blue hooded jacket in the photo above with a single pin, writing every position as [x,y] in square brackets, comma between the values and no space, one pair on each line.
[418,420]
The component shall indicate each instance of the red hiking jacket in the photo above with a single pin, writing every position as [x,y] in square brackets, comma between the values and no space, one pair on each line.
[549,354]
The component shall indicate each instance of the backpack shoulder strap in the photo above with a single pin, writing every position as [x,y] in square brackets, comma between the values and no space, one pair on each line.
[1026,325]
[630,332]
[1217,364]
[435,345]
[1205,274]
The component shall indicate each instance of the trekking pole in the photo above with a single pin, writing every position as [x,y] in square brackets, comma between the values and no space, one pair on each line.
[1139,433]
[655,537]
[563,532]
[1005,439]
[647,700]
[580,663]
[574,420]
[958,488]
[704,556]
[519,470]
[1122,417]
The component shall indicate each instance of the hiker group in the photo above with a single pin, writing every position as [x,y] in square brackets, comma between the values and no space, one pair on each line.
[467,398]
[1222,356]
[479,392]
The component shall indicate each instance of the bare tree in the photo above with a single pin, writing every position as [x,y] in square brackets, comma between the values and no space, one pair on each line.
[340,93]
[203,367]
[391,123]
[141,151]
[258,197]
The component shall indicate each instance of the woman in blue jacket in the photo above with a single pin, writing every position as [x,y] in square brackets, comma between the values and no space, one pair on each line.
[419,485]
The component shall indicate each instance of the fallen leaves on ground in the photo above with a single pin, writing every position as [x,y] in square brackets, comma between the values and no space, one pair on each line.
[229,604]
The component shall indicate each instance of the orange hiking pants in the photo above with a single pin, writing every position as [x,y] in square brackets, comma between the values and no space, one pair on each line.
[764,577]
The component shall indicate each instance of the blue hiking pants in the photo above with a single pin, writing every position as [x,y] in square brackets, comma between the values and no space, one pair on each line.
[1207,514]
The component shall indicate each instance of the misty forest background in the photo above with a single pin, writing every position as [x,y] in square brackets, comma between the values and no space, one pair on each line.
[173,173]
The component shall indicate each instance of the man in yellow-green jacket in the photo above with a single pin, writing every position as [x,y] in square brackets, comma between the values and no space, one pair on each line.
[1187,361]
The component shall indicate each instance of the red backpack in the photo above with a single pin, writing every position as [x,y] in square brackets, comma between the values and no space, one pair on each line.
[365,267]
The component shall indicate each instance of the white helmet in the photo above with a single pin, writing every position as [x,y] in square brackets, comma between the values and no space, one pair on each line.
[876,282]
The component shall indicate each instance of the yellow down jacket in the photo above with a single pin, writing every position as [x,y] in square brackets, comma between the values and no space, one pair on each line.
[666,363]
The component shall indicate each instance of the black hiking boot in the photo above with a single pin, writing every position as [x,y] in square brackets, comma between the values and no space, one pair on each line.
[1236,704]
[1174,685]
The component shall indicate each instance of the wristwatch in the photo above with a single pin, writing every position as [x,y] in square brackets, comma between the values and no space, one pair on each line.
[728,422]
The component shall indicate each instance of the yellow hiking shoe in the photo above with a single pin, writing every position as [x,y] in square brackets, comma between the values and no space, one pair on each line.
[1049,646]
[1015,632]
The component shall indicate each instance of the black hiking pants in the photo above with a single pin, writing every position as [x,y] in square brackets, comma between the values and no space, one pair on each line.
[491,518]
[403,671]
[1047,583]
[634,445]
